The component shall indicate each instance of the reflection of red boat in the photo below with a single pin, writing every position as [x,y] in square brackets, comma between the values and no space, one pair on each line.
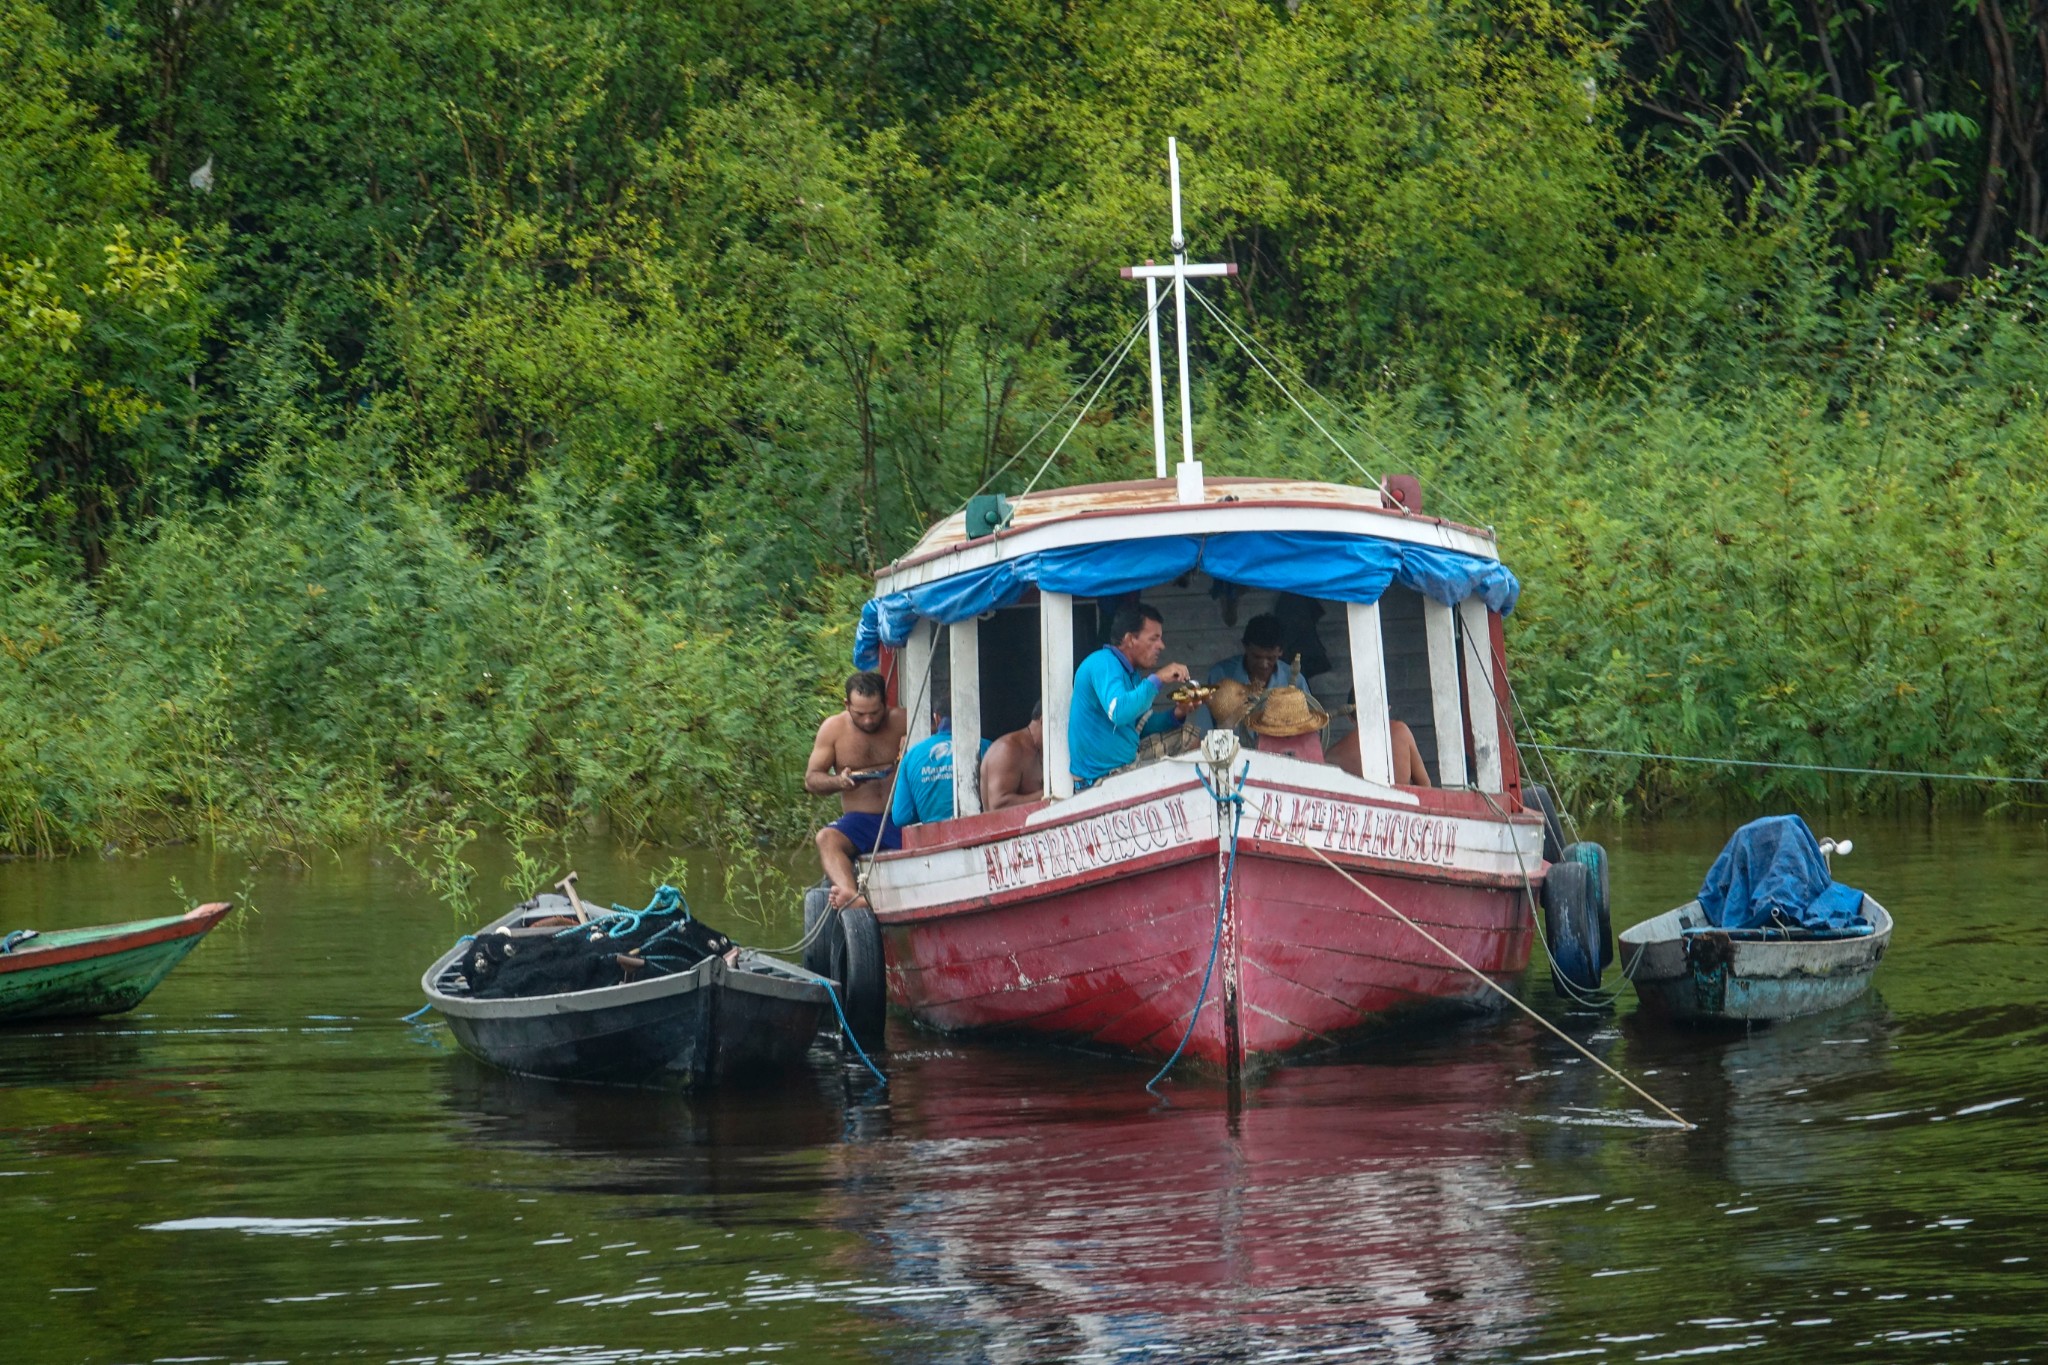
[1354,1205]
[1093,918]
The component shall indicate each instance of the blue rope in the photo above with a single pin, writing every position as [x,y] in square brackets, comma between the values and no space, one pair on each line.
[1236,800]
[622,920]
[846,1032]
[18,936]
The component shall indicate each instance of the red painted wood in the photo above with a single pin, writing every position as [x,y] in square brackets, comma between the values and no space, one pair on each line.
[1113,960]
[194,922]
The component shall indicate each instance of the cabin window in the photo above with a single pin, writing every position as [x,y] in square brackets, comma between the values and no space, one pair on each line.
[998,667]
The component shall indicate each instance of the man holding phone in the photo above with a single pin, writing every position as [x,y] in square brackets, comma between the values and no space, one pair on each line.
[854,758]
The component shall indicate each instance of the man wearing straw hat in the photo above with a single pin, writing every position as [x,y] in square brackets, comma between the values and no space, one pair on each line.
[1258,667]
[1115,690]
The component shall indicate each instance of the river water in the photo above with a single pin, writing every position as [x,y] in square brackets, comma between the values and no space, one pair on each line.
[265,1164]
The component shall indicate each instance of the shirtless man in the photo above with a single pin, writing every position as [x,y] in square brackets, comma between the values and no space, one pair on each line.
[1408,768]
[854,758]
[1013,770]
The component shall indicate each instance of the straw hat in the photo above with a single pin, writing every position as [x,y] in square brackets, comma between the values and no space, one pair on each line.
[1283,712]
[1229,702]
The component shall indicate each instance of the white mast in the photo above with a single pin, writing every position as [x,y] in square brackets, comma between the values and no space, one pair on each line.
[1189,471]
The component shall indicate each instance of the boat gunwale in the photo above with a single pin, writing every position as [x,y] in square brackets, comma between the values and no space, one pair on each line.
[1758,959]
[120,939]
[757,973]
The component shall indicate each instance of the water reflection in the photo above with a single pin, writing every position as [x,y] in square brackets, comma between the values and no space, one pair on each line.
[268,1165]
[1073,1217]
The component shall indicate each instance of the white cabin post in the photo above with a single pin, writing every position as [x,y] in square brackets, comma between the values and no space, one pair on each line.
[1447,709]
[914,681]
[1369,679]
[966,646]
[1056,687]
[1481,706]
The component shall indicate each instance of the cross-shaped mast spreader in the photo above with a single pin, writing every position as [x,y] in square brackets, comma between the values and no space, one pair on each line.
[1189,472]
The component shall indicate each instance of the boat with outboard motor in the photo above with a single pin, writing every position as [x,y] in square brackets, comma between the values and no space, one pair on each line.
[1193,904]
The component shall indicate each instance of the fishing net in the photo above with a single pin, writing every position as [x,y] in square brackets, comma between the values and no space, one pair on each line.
[552,953]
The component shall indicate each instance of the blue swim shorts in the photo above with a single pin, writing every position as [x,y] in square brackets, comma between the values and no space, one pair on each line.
[859,827]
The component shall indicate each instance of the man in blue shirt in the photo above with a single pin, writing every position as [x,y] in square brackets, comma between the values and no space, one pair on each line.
[924,781]
[1258,668]
[1115,690]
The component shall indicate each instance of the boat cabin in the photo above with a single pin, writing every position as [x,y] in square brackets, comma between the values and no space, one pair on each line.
[1380,601]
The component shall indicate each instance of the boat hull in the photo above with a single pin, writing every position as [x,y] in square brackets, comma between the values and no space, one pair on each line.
[1704,977]
[83,973]
[1099,926]
[721,1022]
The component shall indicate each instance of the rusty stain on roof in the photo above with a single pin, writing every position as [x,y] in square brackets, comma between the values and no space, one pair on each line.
[1158,495]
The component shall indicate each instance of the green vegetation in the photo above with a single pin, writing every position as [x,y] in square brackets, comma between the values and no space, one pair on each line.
[438,417]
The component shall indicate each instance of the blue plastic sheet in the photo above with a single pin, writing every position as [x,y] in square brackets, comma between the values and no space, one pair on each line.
[1313,563]
[1772,871]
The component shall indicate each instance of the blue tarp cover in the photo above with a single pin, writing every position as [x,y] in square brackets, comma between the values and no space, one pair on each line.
[1320,564]
[1773,867]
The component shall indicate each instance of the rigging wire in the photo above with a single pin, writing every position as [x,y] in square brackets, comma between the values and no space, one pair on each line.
[1244,346]
[1123,344]
[1250,344]
[1793,767]
[1130,340]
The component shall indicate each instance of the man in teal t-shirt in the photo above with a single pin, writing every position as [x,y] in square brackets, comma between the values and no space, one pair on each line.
[924,780]
[1114,693]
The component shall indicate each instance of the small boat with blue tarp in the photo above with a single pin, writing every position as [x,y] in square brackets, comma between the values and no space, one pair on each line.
[1772,934]
[106,969]
[632,997]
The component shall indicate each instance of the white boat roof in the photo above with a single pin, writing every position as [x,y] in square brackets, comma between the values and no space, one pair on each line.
[1093,514]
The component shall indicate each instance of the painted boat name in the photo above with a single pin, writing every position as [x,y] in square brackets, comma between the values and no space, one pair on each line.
[1088,844]
[1365,830]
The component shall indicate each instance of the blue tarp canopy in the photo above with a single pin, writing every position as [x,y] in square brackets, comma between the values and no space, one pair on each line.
[1320,564]
[1772,872]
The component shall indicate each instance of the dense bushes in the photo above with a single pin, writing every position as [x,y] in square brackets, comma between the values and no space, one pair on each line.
[470,415]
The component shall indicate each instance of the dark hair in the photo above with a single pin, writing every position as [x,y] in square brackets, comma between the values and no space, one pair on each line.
[1037,711]
[1130,618]
[942,703]
[1264,631]
[868,684]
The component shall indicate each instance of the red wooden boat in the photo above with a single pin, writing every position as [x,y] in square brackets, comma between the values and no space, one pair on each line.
[1096,918]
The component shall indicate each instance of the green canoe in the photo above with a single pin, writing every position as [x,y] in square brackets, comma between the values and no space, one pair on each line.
[102,970]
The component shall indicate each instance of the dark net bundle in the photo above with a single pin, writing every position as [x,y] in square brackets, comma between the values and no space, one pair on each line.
[626,945]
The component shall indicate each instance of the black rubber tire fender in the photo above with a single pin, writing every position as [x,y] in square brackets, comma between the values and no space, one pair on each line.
[1538,798]
[1595,858]
[818,952]
[1569,922]
[859,968]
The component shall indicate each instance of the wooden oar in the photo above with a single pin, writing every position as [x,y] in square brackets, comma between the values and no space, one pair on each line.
[568,887]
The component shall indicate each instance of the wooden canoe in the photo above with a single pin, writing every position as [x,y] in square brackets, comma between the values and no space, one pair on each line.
[72,973]
[731,1020]
[1684,968]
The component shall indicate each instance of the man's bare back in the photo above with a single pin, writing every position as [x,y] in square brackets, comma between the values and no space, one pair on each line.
[1013,769]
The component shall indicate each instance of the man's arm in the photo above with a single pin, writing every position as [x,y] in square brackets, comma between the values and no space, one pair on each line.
[1123,706]
[819,779]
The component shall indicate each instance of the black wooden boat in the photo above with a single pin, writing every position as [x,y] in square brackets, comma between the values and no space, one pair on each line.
[733,1017]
